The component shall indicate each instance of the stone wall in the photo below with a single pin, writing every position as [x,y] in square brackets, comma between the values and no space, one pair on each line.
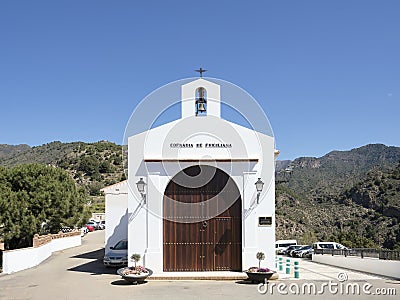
[40,240]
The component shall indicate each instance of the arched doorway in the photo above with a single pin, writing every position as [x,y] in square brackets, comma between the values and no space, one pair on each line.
[195,238]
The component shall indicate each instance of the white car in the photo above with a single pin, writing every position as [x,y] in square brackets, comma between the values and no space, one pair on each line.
[328,245]
[303,251]
[282,245]
[118,255]
[102,224]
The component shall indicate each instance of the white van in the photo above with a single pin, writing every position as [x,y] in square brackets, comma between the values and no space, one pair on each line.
[328,245]
[281,245]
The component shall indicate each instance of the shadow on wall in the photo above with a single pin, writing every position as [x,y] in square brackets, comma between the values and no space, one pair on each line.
[95,264]
[120,232]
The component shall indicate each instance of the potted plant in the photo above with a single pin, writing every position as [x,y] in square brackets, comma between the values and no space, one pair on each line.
[135,274]
[135,257]
[259,274]
[260,256]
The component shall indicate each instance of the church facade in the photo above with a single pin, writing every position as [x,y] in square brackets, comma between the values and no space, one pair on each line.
[200,194]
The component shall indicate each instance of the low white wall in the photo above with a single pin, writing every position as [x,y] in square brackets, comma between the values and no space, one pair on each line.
[21,259]
[66,242]
[390,268]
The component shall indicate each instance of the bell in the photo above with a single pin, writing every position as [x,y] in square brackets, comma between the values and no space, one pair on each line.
[201,107]
[201,101]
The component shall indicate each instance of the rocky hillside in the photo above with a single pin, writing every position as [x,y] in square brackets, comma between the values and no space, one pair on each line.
[93,165]
[348,196]
[339,169]
[11,150]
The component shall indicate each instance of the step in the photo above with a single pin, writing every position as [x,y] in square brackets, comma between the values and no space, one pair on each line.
[215,275]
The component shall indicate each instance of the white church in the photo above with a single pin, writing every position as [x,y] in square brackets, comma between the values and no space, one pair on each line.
[200,194]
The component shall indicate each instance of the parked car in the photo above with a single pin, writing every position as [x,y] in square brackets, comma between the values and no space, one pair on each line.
[84,230]
[101,225]
[282,245]
[309,253]
[301,251]
[328,245]
[90,226]
[97,227]
[96,224]
[292,248]
[281,250]
[118,255]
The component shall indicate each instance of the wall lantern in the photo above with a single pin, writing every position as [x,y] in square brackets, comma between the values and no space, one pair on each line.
[141,186]
[259,187]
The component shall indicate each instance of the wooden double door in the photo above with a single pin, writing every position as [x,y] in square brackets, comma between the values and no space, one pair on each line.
[202,227]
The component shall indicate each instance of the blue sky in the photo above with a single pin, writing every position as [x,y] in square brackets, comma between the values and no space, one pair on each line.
[327,73]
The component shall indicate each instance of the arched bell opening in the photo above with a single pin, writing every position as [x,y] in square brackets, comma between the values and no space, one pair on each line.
[201,101]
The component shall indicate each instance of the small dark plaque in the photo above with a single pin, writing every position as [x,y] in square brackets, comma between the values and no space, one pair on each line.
[264,221]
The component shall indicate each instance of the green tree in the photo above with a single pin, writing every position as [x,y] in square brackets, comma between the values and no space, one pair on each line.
[135,257]
[33,195]
[105,167]
[94,188]
[89,165]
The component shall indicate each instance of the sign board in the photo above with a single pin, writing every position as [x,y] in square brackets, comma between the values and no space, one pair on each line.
[264,221]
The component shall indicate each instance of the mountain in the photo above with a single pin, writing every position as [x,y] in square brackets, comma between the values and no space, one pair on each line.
[337,170]
[93,165]
[281,165]
[11,150]
[45,154]
[352,197]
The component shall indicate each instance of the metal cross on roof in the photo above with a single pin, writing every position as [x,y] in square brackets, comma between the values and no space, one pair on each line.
[201,71]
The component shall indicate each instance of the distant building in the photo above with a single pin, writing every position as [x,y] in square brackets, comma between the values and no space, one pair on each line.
[98,216]
[200,210]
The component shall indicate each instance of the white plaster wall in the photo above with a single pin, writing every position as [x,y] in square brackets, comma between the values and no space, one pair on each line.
[153,256]
[21,259]
[156,143]
[258,238]
[116,204]
[266,234]
[64,243]
[137,213]
[137,227]
[390,268]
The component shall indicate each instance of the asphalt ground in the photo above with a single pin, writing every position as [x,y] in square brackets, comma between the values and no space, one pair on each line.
[78,273]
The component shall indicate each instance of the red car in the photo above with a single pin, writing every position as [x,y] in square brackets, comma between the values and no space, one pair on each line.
[90,226]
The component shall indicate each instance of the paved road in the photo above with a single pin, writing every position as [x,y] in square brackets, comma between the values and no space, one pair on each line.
[310,270]
[78,273]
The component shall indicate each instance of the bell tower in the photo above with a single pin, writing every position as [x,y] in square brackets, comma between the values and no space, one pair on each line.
[200,98]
